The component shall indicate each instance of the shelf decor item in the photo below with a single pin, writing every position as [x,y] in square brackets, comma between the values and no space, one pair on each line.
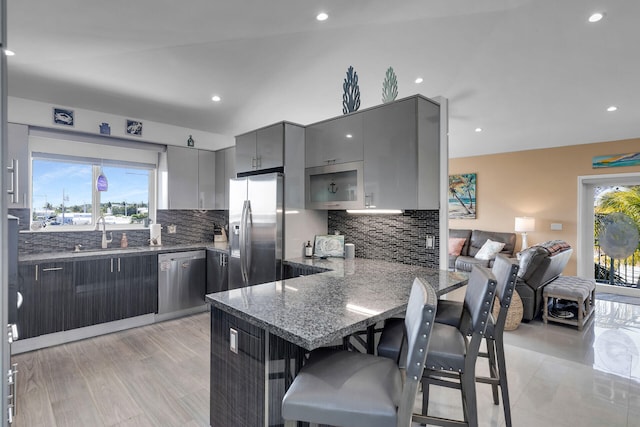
[105,129]
[351,95]
[389,86]
[134,127]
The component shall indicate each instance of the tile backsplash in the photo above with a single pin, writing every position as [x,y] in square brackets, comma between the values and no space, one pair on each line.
[394,238]
[192,226]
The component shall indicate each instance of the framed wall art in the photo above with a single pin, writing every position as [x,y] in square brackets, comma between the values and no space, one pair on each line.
[331,245]
[616,160]
[462,196]
[134,127]
[63,116]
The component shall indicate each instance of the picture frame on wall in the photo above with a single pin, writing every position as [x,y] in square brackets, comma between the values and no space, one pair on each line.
[133,127]
[63,116]
[462,196]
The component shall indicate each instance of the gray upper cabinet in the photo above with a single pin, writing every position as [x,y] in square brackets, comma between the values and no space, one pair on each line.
[18,166]
[334,141]
[429,153]
[261,149]
[206,179]
[225,170]
[390,160]
[183,177]
[397,143]
[191,183]
[402,155]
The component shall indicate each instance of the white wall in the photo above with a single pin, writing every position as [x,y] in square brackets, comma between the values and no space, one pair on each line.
[300,227]
[37,113]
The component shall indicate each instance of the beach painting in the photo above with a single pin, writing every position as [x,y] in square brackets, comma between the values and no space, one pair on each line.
[616,160]
[462,196]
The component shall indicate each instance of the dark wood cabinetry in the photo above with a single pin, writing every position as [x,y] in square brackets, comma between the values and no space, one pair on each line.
[138,279]
[74,294]
[45,288]
[112,289]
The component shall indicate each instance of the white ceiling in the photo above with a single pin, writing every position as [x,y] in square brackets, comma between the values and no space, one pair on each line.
[530,73]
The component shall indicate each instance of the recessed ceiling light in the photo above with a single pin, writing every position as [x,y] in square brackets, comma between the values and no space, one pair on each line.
[612,108]
[596,17]
[419,80]
[322,16]
[478,129]
[349,135]
[216,98]
[9,52]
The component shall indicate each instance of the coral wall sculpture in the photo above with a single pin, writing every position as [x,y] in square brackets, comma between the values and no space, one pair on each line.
[389,86]
[351,95]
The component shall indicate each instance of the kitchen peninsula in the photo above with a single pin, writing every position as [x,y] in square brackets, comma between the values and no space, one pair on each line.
[259,333]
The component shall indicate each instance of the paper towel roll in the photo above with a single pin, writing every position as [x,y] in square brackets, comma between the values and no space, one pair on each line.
[155,234]
[349,250]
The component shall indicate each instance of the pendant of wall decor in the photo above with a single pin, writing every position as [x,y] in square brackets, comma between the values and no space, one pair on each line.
[389,86]
[351,95]
[102,184]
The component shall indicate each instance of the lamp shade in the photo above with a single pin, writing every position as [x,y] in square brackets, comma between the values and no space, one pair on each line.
[524,224]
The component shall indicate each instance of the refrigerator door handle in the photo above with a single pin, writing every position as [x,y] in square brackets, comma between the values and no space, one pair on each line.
[245,242]
[241,247]
[248,226]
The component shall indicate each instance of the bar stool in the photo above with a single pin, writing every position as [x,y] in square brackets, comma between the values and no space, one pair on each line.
[450,312]
[352,389]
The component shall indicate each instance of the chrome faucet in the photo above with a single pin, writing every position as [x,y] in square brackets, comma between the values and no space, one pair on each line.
[105,242]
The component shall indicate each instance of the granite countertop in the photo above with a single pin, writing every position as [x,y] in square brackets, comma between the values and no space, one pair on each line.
[88,254]
[315,310]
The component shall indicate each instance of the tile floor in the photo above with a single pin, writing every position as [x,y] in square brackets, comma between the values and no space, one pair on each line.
[561,377]
[557,376]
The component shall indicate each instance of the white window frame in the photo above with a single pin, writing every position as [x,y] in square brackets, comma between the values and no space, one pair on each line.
[96,150]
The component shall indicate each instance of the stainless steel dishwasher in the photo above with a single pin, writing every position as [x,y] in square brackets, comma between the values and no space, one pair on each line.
[181,280]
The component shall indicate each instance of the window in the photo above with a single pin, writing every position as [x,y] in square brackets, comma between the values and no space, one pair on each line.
[64,187]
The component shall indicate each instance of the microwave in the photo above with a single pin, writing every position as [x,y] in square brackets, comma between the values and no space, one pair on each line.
[335,186]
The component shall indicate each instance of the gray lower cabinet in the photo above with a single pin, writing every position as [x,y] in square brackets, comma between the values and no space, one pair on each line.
[61,296]
[217,271]
[45,289]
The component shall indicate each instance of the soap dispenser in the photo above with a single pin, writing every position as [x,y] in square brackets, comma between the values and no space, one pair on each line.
[123,241]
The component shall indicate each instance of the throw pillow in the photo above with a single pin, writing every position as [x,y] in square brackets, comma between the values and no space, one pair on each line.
[489,250]
[455,245]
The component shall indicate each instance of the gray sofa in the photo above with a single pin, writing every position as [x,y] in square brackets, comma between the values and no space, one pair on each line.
[539,265]
[474,241]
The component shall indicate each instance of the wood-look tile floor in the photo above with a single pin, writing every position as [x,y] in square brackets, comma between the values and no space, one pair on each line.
[156,375]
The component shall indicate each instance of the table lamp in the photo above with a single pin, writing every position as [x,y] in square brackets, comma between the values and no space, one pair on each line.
[524,224]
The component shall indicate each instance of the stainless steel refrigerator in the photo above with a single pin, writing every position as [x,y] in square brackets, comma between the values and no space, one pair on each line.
[255,229]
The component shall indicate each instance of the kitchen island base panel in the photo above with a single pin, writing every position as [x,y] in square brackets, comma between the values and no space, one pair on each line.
[247,387]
